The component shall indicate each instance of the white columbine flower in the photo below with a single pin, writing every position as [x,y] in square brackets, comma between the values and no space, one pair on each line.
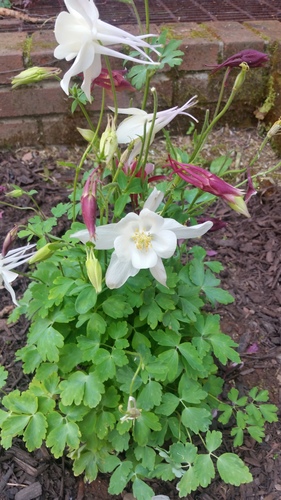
[14,258]
[140,122]
[82,36]
[141,242]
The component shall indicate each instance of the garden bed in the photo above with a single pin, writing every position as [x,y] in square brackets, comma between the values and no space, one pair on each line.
[250,252]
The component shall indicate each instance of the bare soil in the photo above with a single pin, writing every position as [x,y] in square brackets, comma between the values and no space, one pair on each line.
[250,252]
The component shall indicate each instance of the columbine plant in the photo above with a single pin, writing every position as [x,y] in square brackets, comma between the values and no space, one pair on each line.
[121,347]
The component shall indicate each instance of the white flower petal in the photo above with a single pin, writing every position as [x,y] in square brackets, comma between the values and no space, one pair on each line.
[8,277]
[158,272]
[82,235]
[183,232]
[154,200]
[143,259]
[164,243]
[82,62]
[82,8]
[81,34]
[118,272]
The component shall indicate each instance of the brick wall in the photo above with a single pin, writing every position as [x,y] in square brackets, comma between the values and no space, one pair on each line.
[40,114]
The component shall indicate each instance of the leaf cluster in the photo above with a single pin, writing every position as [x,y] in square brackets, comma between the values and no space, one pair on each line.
[92,353]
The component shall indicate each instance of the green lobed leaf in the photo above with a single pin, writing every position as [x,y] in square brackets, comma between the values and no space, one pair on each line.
[120,478]
[168,404]
[152,313]
[116,306]
[204,469]
[223,348]
[86,463]
[96,325]
[183,453]
[256,432]
[196,419]
[190,390]
[86,299]
[49,343]
[188,483]
[150,395]
[35,431]
[81,387]
[146,456]
[141,490]
[21,403]
[232,469]
[3,376]
[63,433]
[213,440]
[13,426]
[269,412]
[189,352]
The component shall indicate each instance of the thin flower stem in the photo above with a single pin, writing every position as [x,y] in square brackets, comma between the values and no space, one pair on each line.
[84,156]
[108,67]
[215,120]
[221,91]
[261,174]
[86,116]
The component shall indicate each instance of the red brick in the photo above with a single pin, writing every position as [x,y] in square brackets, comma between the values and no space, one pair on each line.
[42,48]
[18,132]
[235,37]
[270,31]
[199,46]
[48,98]
[11,55]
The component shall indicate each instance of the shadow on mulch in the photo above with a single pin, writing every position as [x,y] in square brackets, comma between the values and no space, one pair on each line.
[250,252]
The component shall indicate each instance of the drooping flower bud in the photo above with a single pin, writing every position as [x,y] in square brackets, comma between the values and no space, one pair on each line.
[34,75]
[15,193]
[211,183]
[89,203]
[275,129]
[86,133]
[108,140]
[94,270]
[9,240]
[45,252]
[253,58]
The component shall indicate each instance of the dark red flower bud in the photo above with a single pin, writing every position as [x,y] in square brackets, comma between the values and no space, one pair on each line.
[252,57]
[89,203]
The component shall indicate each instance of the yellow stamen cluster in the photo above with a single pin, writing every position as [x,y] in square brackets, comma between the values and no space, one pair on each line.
[142,240]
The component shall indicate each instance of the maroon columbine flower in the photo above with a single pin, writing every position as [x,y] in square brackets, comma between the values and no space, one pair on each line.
[211,183]
[89,203]
[120,83]
[252,57]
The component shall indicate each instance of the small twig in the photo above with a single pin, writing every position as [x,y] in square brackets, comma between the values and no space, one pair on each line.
[24,17]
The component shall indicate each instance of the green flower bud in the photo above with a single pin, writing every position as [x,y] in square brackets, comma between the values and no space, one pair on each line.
[45,252]
[86,133]
[33,75]
[241,77]
[94,270]
[275,129]
[109,141]
[16,193]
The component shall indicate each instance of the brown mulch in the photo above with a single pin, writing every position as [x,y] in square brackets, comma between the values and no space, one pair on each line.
[250,252]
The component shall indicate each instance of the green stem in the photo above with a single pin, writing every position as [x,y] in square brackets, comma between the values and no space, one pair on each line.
[221,91]
[215,120]
[84,156]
